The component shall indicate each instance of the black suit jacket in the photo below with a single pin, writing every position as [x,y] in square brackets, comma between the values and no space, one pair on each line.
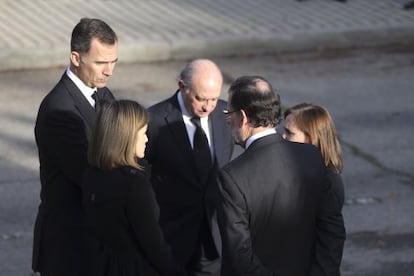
[271,201]
[121,207]
[184,202]
[64,123]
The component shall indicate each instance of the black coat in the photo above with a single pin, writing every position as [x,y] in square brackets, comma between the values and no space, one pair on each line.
[331,234]
[123,213]
[186,205]
[272,202]
[64,123]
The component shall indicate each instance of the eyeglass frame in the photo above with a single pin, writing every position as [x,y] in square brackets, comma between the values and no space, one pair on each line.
[228,112]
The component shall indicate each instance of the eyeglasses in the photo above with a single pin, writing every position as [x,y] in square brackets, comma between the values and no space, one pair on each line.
[228,112]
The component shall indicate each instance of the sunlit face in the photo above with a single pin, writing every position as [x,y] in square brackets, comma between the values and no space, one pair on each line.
[199,104]
[200,99]
[95,67]
[141,142]
[292,133]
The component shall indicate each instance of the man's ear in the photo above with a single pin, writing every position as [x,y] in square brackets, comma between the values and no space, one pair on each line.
[75,58]
[244,120]
[181,85]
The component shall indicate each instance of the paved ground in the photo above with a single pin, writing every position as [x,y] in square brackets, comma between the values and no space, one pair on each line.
[370,95]
[36,33]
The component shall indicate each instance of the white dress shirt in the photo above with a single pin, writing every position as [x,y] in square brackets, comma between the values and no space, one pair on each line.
[256,136]
[191,128]
[86,90]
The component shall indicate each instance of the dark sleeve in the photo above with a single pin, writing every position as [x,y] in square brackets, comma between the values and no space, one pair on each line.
[142,210]
[64,141]
[330,230]
[152,133]
[337,188]
[233,216]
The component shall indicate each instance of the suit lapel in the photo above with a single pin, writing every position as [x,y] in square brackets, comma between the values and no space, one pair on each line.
[175,123]
[106,95]
[82,105]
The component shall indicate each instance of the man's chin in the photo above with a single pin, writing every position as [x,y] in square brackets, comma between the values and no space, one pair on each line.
[100,84]
[237,140]
[202,114]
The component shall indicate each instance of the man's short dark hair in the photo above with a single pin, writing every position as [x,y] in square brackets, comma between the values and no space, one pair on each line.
[88,29]
[255,95]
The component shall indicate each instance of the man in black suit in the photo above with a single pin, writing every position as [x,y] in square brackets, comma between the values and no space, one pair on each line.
[64,123]
[184,180]
[275,214]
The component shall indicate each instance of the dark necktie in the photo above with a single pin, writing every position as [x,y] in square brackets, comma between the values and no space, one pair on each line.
[203,163]
[201,151]
[96,97]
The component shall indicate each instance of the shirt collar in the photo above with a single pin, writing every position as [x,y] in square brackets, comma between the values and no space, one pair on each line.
[258,135]
[86,90]
[184,111]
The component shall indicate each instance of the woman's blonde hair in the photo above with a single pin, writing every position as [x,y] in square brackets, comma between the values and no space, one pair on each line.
[114,137]
[317,124]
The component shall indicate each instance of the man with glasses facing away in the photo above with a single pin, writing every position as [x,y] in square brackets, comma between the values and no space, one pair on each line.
[277,215]
[64,124]
[189,141]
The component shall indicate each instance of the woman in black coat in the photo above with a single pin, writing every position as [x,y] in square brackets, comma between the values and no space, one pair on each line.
[119,201]
[310,123]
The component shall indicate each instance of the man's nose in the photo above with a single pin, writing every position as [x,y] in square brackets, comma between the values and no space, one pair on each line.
[109,68]
[209,105]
